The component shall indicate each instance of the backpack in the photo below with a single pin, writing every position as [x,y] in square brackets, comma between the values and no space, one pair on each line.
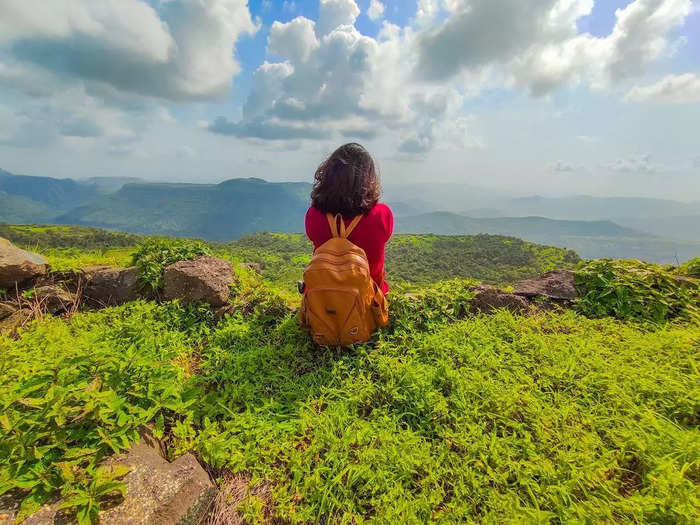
[342,305]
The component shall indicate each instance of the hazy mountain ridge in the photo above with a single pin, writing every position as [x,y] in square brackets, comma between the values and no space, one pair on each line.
[237,207]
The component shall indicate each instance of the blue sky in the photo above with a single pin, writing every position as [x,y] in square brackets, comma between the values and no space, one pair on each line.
[546,96]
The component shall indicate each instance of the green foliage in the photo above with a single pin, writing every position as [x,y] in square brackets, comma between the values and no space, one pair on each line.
[488,258]
[442,418]
[690,268]
[41,237]
[154,255]
[68,398]
[633,290]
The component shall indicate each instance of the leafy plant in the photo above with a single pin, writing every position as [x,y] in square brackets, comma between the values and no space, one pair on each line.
[690,268]
[154,255]
[635,290]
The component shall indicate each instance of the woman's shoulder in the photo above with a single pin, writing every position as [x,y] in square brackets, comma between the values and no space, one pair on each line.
[380,210]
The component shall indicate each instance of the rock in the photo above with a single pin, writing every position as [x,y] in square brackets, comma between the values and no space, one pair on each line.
[157,492]
[489,298]
[204,279]
[15,320]
[6,310]
[54,298]
[177,493]
[18,266]
[556,286]
[112,286]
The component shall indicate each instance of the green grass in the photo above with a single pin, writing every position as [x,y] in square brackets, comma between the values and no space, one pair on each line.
[444,417]
[552,417]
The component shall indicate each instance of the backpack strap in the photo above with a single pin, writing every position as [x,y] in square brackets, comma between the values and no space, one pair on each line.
[352,225]
[337,225]
[333,223]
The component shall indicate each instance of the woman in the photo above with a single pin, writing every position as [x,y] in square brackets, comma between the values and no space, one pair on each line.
[346,183]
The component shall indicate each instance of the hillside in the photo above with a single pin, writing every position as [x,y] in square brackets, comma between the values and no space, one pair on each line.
[586,413]
[54,194]
[410,258]
[223,211]
[591,239]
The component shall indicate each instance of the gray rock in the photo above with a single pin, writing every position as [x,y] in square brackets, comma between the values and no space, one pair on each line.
[112,286]
[204,279]
[15,320]
[489,298]
[18,266]
[6,310]
[157,493]
[556,286]
[54,298]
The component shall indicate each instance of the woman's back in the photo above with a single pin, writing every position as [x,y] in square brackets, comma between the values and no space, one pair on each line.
[371,234]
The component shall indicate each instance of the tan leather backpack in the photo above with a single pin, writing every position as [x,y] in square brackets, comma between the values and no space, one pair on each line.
[342,304]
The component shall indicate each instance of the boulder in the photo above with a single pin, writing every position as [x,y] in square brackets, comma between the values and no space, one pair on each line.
[6,310]
[556,287]
[18,266]
[15,320]
[112,286]
[157,492]
[488,298]
[54,298]
[204,279]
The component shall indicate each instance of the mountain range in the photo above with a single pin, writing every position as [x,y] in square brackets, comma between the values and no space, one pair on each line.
[651,229]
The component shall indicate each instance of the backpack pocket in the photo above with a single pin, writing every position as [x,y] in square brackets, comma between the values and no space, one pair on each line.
[335,317]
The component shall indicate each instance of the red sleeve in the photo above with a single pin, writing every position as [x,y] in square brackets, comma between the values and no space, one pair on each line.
[316,227]
[390,217]
[387,221]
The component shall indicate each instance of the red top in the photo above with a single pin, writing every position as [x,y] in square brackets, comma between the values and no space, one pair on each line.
[371,234]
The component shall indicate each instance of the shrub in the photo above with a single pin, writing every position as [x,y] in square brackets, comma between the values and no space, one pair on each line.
[154,255]
[633,290]
[690,268]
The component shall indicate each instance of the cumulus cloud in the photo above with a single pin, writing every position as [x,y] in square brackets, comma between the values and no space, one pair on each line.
[538,42]
[181,49]
[335,13]
[294,40]
[676,89]
[375,11]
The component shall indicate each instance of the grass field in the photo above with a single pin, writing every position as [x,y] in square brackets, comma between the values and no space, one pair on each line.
[444,417]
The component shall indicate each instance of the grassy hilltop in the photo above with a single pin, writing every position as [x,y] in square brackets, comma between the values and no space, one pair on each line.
[586,415]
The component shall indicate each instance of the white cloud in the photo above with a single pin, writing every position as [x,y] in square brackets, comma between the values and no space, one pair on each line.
[538,42]
[677,89]
[640,164]
[182,49]
[335,13]
[294,40]
[375,11]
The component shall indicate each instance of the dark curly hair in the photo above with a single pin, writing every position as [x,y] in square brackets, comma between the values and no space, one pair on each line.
[346,182]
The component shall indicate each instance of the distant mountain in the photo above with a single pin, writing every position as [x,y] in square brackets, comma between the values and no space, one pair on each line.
[591,239]
[16,209]
[673,227]
[55,194]
[584,207]
[238,207]
[110,184]
[222,211]
[447,223]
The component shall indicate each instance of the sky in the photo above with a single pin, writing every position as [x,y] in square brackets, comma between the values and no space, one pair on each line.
[549,97]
